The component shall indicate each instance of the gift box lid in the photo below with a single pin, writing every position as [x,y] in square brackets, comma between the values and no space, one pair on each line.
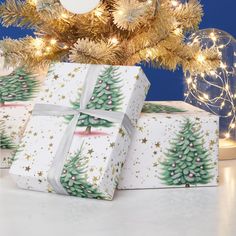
[175,108]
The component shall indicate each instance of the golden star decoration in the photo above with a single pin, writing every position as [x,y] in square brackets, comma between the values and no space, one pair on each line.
[212,143]
[121,132]
[90,151]
[27,168]
[144,140]
[157,145]
[112,145]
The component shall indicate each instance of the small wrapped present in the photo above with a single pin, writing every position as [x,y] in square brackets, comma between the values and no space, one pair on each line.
[17,91]
[78,137]
[174,145]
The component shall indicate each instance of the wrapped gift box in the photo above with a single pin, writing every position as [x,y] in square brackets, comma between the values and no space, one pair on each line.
[11,130]
[92,165]
[17,91]
[174,145]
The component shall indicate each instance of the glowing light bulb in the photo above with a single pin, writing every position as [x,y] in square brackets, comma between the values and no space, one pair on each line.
[221,46]
[120,13]
[53,41]
[38,42]
[64,16]
[178,31]
[149,2]
[206,96]
[174,3]
[222,104]
[213,36]
[189,80]
[227,135]
[98,12]
[223,66]
[212,73]
[148,53]
[114,41]
[32,2]
[48,49]
[232,126]
[201,58]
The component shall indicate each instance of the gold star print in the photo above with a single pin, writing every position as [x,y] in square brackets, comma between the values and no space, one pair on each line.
[90,151]
[140,129]
[207,133]
[144,140]
[35,134]
[69,74]
[121,132]
[51,137]
[95,179]
[91,170]
[40,173]
[137,77]
[56,77]
[28,157]
[50,145]
[27,168]
[6,116]
[212,142]
[63,97]
[77,69]
[157,145]
[112,145]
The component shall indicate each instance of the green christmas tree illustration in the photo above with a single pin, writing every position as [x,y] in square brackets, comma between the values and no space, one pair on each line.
[106,96]
[157,108]
[74,178]
[5,141]
[187,161]
[17,86]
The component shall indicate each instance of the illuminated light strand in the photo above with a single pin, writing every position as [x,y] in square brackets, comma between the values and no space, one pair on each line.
[225,97]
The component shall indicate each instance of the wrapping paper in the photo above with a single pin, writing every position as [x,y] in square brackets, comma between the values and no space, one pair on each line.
[98,150]
[174,145]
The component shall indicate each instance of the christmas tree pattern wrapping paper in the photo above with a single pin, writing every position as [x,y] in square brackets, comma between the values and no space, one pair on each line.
[174,145]
[96,155]
[17,92]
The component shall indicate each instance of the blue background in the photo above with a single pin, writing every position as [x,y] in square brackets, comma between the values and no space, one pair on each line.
[168,85]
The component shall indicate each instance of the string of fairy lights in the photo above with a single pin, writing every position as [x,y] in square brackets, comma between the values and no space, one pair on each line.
[221,83]
[46,46]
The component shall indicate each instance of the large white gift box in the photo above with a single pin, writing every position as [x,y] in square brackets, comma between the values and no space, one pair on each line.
[77,140]
[174,145]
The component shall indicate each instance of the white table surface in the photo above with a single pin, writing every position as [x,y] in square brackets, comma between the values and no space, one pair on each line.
[173,212]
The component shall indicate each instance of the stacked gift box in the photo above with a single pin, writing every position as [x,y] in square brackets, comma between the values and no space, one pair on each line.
[86,137]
